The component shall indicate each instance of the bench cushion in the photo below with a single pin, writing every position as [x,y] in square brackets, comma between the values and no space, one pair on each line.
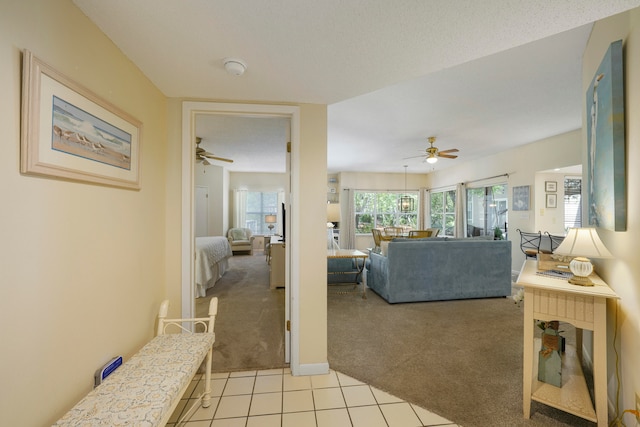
[145,388]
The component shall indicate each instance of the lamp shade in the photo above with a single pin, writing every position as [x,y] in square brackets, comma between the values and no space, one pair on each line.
[333,212]
[270,219]
[583,242]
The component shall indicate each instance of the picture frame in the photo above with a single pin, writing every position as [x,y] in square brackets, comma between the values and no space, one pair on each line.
[521,196]
[552,200]
[70,133]
[606,152]
[550,186]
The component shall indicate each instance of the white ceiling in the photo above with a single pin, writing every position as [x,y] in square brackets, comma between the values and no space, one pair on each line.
[482,76]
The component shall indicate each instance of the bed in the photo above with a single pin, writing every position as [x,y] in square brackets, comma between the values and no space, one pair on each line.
[212,261]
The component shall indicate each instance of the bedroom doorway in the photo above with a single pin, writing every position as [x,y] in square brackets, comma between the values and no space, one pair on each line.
[190,111]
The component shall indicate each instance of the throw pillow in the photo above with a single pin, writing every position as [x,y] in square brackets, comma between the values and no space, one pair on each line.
[238,234]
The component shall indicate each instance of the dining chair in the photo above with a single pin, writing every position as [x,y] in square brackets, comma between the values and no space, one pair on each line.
[434,231]
[554,242]
[393,231]
[417,234]
[530,243]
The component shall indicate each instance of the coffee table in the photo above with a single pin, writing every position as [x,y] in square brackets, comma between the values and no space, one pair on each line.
[355,255]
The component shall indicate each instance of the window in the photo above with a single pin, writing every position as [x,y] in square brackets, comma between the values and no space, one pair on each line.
[572,202]
[374,209]
[487,210]
[443,211]
[258,205]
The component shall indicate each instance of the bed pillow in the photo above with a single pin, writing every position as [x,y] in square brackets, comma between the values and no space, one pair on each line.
[238,234]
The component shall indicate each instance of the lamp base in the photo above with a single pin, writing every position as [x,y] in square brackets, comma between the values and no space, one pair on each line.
[581,281]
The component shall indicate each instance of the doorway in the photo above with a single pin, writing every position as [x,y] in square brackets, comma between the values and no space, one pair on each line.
[190,111]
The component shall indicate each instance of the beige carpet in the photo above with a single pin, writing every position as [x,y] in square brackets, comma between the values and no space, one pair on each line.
[250,323]
[459,359]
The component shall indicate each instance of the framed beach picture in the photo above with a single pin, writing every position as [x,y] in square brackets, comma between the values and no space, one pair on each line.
[606,164]
[70,133]
[521,198]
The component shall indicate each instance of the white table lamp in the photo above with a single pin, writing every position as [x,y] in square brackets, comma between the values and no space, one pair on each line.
[271,220]
[582,243]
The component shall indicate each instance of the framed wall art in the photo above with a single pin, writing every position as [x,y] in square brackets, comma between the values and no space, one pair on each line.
[552,200]
[70,133]
[606,170]
[521,198]
[550,186]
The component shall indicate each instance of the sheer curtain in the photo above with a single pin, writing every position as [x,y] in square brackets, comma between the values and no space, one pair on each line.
[461,211]
[239,208]
[348,223]
[424,220]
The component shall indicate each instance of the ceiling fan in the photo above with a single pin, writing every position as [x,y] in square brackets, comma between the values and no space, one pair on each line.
[432,153]
[203,156]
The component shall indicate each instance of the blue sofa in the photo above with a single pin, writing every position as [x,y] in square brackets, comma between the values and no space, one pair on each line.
[440,269]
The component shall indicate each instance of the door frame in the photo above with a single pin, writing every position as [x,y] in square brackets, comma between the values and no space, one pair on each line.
[190,109]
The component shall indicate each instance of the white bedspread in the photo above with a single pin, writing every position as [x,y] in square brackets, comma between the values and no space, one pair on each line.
[212,261]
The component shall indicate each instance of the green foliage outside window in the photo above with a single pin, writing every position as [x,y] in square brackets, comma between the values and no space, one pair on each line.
[443,212]
[379,209]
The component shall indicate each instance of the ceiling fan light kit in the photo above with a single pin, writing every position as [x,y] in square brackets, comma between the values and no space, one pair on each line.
[234,66]
[432,153]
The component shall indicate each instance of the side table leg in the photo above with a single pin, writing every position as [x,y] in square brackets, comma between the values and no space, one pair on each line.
[600,360]
[527,355]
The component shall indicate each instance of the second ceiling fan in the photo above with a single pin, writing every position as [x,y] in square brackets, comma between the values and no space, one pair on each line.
[432,153]
[203,156]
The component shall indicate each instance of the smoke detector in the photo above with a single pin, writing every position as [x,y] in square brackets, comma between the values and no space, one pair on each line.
[234,66]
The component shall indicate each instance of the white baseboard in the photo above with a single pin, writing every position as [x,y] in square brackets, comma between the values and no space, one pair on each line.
[312,369]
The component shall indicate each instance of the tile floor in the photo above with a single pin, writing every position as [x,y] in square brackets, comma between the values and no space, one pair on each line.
[276,398]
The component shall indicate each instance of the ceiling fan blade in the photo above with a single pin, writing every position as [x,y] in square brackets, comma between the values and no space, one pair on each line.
[447,156]
[452,150]
[222,159]
[415,157]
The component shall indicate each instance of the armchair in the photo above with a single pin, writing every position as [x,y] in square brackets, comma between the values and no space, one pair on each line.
[241,240]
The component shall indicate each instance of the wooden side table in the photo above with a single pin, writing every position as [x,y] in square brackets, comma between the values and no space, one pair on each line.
[549,298]
[355,255]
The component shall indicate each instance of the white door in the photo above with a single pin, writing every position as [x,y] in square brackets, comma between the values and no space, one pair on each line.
[202,211]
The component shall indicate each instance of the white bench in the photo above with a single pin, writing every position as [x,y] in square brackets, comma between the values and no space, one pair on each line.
[146,389]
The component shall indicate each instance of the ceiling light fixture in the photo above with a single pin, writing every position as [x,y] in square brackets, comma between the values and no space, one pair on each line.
[432,159]
[234,66]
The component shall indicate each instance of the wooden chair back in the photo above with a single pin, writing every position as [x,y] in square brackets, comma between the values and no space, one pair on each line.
[416,234]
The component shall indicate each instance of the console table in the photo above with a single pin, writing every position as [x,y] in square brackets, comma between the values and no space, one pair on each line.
[355,255]
[549,298]
[277,263]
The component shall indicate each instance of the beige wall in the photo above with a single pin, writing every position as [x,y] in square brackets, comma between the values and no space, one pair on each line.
[623,272]
[308,224]
[80,265]
[549,219]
